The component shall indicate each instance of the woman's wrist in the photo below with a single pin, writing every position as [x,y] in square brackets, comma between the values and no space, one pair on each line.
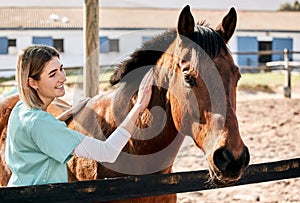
[130,121]
[138,108]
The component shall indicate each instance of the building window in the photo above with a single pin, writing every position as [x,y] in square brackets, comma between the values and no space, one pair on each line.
[278,45]
[104,44]
[43,40]
[3,45]
[12,46]
[264,46]
[56,43]
[108,45]
[59,44]
[114,45]
[12,42]
[247,44]
[8,46]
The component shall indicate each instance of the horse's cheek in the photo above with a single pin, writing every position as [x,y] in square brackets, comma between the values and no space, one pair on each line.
[176,113]
[198,134]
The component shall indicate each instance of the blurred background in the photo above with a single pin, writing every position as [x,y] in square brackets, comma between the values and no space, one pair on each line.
[264,30]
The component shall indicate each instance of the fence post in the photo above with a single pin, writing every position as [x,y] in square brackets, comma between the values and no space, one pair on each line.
[91,48]
[287,88]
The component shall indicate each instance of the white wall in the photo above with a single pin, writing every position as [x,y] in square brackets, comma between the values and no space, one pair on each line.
[73,45]
[128,42]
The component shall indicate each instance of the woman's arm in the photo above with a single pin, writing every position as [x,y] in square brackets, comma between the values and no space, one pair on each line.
[103,151]
[109,150]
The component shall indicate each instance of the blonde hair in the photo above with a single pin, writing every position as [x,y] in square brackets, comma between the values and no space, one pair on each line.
[31,62]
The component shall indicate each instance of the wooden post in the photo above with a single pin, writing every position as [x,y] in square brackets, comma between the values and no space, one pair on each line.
[287,88]
[91,48]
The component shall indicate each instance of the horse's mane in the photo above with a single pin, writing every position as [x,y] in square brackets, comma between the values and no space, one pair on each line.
[207,38]
[147,55]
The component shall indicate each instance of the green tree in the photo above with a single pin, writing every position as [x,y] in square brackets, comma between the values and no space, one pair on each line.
[296,6]
[288,7]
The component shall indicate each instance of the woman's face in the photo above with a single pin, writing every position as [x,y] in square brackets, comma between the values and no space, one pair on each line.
[51,83]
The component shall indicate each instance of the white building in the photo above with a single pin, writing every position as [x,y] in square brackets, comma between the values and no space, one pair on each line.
[122,30]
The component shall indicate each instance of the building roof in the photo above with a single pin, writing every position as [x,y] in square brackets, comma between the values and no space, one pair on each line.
[140,18]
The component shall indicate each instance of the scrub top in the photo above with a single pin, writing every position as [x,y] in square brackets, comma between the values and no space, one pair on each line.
[38,147]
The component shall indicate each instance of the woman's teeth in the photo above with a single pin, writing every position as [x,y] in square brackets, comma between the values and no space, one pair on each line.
[60,86]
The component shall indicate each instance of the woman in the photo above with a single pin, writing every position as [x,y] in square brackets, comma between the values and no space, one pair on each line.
[38,145]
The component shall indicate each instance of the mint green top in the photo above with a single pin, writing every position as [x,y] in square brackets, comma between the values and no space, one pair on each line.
[38,147]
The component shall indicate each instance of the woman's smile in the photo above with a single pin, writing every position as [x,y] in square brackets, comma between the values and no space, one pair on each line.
[60,86]
[51,82]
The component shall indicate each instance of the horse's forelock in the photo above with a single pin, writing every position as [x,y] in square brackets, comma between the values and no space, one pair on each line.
[209,40]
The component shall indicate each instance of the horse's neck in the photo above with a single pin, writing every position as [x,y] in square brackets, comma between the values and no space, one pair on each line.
[159,135]
[154,146]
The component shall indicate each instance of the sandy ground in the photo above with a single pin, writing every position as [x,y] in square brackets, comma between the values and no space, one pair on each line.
[270,127]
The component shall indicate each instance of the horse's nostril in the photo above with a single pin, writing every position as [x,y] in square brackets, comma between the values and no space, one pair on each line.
[221,159]
[228,156]
[225,161]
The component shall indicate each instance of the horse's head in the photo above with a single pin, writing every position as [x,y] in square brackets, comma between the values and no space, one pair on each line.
[201,86]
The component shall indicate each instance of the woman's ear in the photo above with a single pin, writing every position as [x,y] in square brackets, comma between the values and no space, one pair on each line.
[32,83]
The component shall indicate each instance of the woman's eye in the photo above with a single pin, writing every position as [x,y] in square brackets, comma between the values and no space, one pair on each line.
[52,74]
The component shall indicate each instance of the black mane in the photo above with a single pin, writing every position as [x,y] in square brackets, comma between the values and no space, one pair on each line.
[207,38]
[147,55]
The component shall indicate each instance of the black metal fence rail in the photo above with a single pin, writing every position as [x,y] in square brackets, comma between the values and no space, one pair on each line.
[141,186]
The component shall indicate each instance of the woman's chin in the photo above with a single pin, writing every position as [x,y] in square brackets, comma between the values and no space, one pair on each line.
[61,92]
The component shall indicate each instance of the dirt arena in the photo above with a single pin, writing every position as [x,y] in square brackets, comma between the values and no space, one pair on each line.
[270,126]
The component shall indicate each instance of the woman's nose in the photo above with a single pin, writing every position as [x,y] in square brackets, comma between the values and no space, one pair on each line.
[62,75]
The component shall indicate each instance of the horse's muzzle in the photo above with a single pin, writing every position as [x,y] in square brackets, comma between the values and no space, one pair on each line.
[227,169]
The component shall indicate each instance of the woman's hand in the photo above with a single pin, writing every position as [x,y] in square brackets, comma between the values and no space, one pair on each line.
[144,96]
[145,90]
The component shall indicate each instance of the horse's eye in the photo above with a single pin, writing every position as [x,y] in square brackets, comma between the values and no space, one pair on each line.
[190,80]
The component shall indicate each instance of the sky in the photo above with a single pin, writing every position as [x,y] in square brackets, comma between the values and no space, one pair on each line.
[201,4]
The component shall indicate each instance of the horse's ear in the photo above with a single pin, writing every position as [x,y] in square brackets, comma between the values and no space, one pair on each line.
[227,27]
[186,22]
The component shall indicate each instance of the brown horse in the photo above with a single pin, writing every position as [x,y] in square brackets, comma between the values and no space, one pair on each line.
[194,94]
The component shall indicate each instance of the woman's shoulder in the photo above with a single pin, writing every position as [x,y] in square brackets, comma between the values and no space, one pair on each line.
[32,114]
[28,118]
